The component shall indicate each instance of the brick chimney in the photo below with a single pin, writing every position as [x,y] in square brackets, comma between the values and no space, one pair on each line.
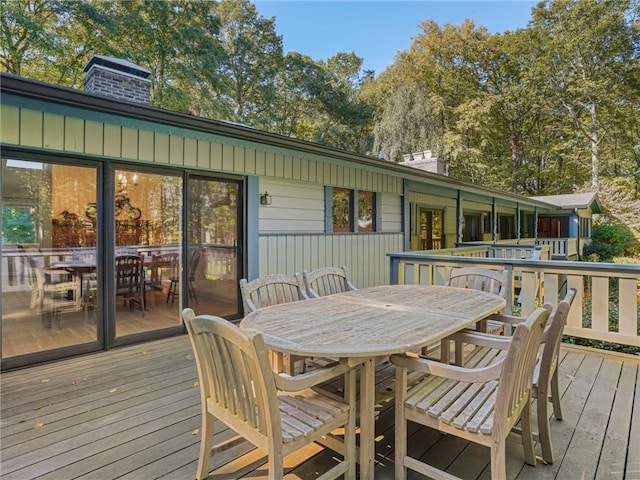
[425,161]
[117,78]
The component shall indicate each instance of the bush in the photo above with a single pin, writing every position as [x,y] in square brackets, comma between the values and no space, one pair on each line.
[609,240]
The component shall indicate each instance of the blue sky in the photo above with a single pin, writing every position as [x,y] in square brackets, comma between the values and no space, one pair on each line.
[376,29]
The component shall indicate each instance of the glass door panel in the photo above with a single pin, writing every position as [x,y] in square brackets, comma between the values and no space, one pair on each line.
[213,232]
[48,256]
[148,236]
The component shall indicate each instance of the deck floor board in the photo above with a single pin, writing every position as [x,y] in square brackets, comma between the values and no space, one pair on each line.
[133,413]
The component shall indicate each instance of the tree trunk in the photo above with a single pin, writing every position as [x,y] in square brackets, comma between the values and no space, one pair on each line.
[595,182]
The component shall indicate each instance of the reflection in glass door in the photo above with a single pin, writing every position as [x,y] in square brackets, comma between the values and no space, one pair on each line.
[48,256]
[147,228]
[213,258]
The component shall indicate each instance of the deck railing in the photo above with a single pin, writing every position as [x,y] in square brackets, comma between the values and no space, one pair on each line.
[605,308]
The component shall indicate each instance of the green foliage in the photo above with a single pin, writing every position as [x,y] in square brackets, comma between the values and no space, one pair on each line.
[610,240]
[17,225]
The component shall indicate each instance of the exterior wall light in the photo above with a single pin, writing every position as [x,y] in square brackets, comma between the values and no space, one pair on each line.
[265,198]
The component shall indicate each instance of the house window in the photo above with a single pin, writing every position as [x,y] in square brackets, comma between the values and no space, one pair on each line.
[342,210]
[366,211]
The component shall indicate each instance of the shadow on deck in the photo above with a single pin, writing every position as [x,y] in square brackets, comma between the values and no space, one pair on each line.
[134,413]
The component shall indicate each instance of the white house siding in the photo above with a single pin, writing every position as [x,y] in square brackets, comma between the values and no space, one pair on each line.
[295,207]
[391,213]
[364,255]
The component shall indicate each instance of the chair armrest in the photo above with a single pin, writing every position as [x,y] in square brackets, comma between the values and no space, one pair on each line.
[498,317]
[481,339]
[351,286]
[296,383]
[462,374]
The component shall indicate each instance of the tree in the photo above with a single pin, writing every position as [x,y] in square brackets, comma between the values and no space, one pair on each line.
[176,41]
[251,59]
[50,40]
[587,54]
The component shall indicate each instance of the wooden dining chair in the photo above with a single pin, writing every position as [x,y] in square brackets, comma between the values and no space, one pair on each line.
[277,413]
[545,385]
[55,292]
[174,281]
[326,281]
[270,290]
[480,404]
[129,280]
[482,279]
[274,289]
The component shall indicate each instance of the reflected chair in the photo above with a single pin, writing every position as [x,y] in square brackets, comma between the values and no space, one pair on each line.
[129,280]
[277,413]
[480,404]
[545,375]
[174,281]
[54,293]
[326,281]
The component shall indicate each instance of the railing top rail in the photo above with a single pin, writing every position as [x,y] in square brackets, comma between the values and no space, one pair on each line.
[630,270]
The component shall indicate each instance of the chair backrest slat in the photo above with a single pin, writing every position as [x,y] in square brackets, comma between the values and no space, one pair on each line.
[270,290]
[515,382]
[326,281]
[234,372]
[479,279]
[552,336]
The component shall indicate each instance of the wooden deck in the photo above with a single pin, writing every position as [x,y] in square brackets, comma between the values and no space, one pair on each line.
[134,413]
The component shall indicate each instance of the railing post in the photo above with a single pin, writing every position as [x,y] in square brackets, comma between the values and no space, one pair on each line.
[395,267]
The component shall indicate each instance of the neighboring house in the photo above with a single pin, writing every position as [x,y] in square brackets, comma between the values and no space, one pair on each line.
[88,176]
[572,222]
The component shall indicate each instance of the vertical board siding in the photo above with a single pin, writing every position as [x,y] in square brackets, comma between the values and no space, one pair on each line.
[74,135]
[430,200]
[112,140]
[53,131]
[31,128]
[145,142]
[10,121]
[94,137]
[35,128]
[365,256]
[130,144]
[161,148]
[190,152]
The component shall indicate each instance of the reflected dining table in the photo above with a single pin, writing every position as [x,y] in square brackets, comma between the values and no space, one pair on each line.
[370,324]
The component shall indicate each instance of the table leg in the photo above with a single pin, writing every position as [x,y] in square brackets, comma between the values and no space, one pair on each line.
[367,418]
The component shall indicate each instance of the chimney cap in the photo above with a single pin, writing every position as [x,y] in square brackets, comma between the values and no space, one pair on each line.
[118,64]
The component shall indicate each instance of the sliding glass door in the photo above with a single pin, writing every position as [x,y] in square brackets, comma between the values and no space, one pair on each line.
[213,257]
[48,259]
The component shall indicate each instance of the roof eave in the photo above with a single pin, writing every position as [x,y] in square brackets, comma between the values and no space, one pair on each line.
[14,84]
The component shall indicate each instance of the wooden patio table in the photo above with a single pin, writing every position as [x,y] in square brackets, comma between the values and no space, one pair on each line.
[370,324]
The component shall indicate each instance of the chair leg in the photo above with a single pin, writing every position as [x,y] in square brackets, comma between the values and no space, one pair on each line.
[172,292]
[192,292]
[350,428]
[555,396]
[544,430]
[206,444]
[498,461]
[401,424]
[527,436]
[276,465]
